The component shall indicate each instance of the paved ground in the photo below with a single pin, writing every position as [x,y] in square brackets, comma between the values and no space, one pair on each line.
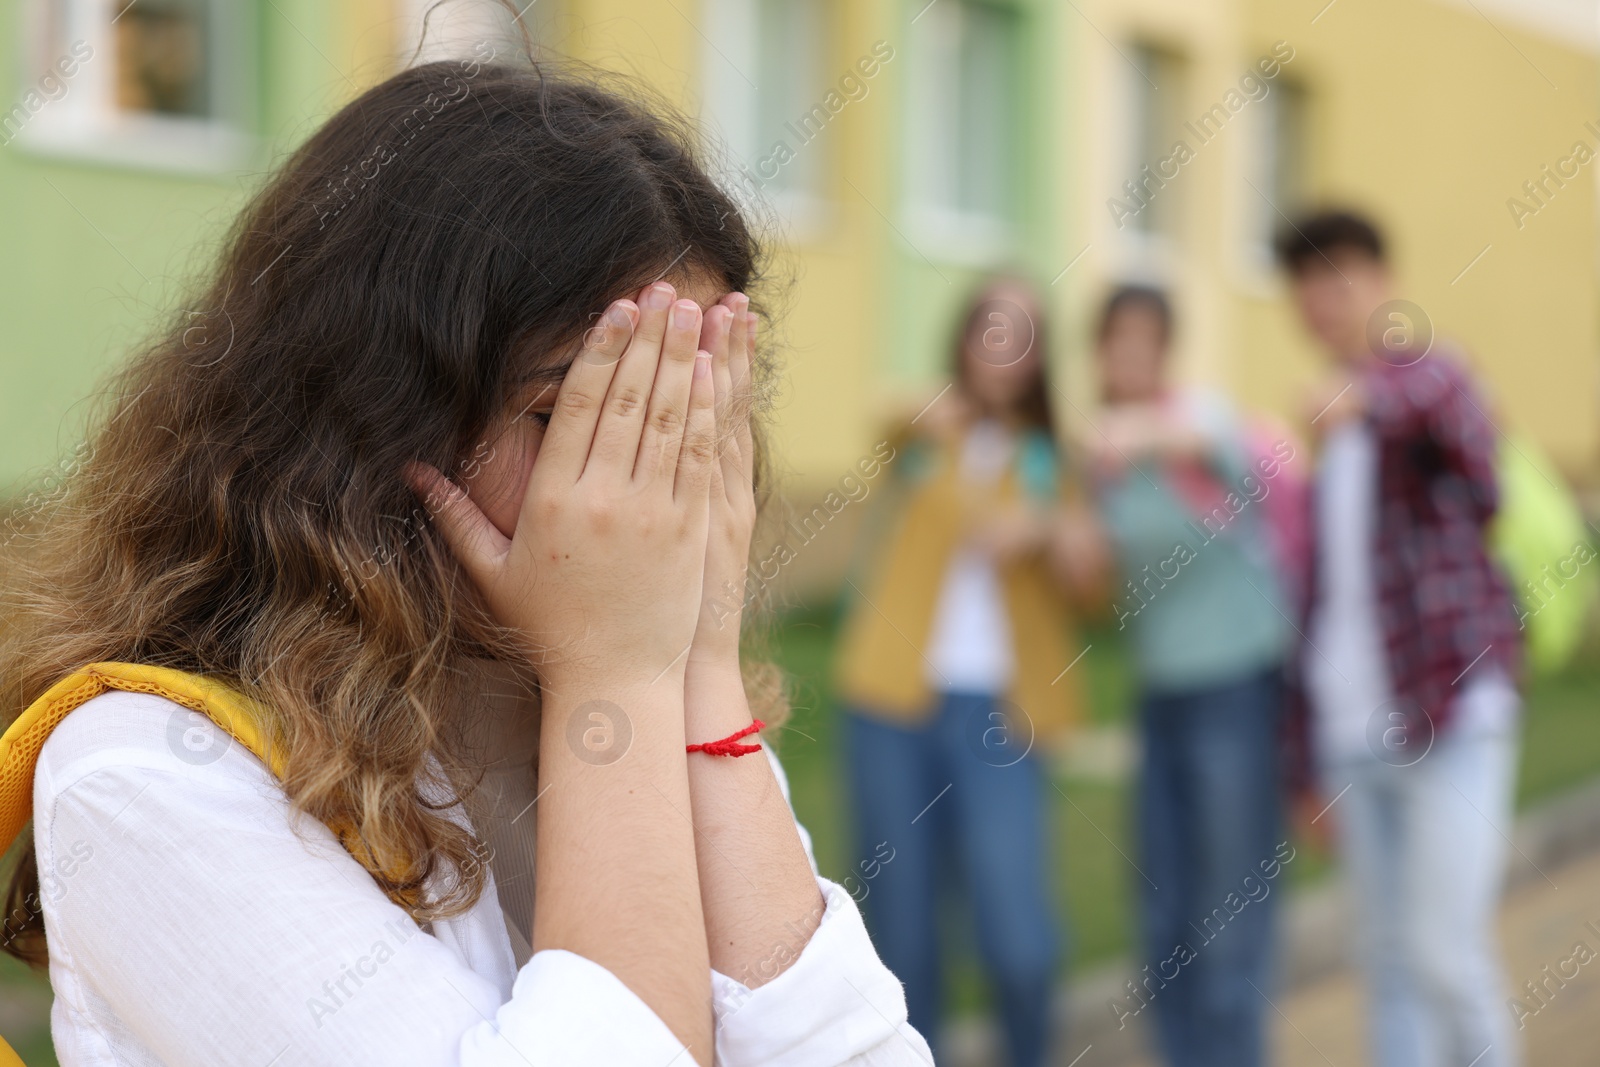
[1542,924]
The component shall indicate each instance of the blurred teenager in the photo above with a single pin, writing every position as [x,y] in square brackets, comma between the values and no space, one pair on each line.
[950,672]
[1412,653]
[1184,497]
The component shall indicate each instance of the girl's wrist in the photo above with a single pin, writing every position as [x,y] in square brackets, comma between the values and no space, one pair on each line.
[626,731]
[716,640]
[714,701]
[574,690]
[713,668]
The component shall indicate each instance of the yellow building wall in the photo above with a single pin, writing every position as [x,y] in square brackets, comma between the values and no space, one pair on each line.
[825,280]
[1431,116]
[370,41]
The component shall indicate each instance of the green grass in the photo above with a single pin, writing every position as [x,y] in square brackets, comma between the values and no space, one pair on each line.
[1095,884]
[1561,733]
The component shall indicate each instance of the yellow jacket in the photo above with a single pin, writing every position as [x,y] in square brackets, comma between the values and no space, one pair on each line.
[880,670]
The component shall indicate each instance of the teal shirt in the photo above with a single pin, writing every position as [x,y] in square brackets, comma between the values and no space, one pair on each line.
[1204,604]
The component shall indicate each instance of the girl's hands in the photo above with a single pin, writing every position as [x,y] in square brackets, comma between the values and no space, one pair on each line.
[756,885]
[606,562]
[729,334]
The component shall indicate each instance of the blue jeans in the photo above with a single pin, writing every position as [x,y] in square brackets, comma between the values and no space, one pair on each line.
[1210,817]
[940,799]
[1424,847]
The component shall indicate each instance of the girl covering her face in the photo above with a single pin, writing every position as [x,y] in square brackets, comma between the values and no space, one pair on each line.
[441,477]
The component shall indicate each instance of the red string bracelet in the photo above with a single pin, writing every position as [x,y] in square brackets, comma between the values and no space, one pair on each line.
[729,746]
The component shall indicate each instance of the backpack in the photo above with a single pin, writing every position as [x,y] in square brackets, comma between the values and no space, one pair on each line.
[234,712]
[1541,540]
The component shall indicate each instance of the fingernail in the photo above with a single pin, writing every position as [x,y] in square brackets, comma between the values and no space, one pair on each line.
[659,296]
[684,313]
[741,303]
[702,364]
[622,313]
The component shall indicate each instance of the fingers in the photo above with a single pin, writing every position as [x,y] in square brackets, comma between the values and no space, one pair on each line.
[622,415]
[698,456]
[466,530]
[715,337]
[565,447]
[664,421]
[741,361]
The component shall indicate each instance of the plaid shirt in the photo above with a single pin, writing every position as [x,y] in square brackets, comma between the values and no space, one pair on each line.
[1444,605]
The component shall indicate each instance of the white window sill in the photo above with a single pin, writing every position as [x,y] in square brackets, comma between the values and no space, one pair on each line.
[960,238]
[1144,257]
[170,146]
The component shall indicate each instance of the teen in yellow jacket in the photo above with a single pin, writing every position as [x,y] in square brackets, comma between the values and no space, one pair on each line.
[954,670]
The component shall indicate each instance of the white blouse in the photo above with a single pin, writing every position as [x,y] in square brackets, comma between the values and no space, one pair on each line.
[189,924]
[969,643]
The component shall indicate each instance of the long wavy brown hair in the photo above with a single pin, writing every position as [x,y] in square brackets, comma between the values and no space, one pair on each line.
[238,508]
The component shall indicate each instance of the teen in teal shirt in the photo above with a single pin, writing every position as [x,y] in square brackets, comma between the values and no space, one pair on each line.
[1198,596]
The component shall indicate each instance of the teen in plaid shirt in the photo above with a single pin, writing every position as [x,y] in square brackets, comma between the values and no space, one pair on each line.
[1407,673]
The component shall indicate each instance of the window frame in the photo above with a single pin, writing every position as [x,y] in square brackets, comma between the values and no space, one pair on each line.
[1264,156]
[731,117]
[954,232]
[1149,251]
[85,124]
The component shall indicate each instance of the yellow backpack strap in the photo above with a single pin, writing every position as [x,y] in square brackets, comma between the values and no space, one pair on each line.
[8,1056]
[22,741]
[237,714]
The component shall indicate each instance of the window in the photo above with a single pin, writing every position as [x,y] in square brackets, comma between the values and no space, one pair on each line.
[1147,199]
[766,97]
[162,63]
[964,143]
[165,83]
[1276,168]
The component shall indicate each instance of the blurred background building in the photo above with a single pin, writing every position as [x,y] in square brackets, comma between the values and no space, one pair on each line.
[897,148]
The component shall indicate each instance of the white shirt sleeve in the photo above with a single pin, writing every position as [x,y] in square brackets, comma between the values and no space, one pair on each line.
[836,1004]
[185,915]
